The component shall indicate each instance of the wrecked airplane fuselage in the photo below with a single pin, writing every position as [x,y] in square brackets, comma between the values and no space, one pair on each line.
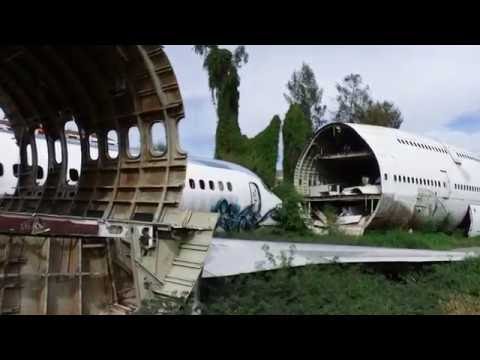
[115,236]
[355,177]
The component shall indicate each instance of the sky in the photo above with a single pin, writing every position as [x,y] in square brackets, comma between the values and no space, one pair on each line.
[437,88]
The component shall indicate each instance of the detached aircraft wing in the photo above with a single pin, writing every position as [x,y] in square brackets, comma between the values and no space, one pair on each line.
[228,257]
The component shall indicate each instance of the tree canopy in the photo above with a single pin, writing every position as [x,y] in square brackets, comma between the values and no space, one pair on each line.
[297,129]
[304,91]
[222,67]
[355,105]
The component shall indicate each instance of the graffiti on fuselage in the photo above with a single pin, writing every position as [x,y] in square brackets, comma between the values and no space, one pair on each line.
[232,218]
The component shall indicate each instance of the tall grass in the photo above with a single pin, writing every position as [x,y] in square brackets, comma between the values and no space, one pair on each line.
[345,289]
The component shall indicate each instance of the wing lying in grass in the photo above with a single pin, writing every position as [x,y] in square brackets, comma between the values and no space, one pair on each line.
[229,257]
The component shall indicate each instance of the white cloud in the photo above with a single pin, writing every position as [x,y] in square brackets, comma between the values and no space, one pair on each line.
[468,141]
[431,85]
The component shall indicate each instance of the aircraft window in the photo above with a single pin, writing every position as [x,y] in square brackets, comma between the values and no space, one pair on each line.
[93,146]
[428,182]
[220,186]
[455,186]
[74,159]
[29,155]
[416,181]
[408,179]
[39,172]
[386,177]
[411,143]
[1,169]
[445,185]
[112,140]
[404,179]
[192,183]
[399,141]
[158,137]
[229,186]
[395,178]
[211,184]
[58,151]
[16,169]
[202,184]
[134,142]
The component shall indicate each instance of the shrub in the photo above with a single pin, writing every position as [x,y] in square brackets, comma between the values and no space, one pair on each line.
[290,215]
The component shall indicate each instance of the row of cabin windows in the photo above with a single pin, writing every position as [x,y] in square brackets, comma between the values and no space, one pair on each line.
[463,187]
[16,167]
[417,181]
[423,146]
[466,156]
[211,185]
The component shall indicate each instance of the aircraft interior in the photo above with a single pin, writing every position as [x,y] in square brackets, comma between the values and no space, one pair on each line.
[339,173]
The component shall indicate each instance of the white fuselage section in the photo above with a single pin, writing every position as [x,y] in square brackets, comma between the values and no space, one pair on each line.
[412,165]
[417,176]
[211,185]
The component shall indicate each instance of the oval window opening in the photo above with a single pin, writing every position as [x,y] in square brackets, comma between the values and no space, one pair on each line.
[134,142]
[74,153]
[42,156]
[158,139]
[29,155]
[112,141]
[58,151]
[93,146]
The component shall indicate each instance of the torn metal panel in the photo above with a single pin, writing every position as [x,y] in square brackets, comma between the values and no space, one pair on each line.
[230,257]
[474,213]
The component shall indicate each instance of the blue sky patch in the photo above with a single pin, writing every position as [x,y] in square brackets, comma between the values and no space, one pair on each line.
[466,123]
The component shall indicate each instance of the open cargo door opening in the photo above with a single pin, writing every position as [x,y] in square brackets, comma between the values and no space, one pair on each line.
[339,176]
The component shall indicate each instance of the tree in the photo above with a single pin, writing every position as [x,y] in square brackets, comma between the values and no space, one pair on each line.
[223,80]
[297,129]
[353,99]
[355,105]
[304,91]
[383,114]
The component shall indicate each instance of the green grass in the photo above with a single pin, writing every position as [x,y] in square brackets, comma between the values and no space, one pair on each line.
[388,238]
[452,288]
[447,288]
